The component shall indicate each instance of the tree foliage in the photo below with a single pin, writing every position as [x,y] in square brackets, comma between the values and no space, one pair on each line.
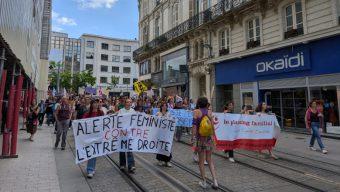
[114,80]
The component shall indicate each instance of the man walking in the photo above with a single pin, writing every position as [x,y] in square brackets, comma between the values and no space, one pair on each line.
[63,115]
[41,113]
[122,159]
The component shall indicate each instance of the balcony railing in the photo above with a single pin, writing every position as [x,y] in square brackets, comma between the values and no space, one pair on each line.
[192,23]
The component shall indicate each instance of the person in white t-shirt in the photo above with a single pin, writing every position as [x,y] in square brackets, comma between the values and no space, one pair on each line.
[122,160]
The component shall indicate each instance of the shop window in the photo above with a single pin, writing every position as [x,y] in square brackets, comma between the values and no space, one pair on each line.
[293,20]
[253,33]
[224,42]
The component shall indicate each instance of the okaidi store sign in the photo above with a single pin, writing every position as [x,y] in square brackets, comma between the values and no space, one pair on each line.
[284,61]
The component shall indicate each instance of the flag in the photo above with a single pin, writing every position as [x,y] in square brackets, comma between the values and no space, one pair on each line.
[178,99]
[139,87]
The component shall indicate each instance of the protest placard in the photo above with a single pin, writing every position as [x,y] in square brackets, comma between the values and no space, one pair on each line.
[136,132]
[253,132]
[183,117]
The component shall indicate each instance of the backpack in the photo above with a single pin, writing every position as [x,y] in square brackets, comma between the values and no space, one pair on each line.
[206,127]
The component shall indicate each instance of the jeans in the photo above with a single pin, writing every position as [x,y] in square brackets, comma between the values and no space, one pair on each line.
[91,165]
[315,134]
[49,119]
[178,134]
[62,128]
[122,160]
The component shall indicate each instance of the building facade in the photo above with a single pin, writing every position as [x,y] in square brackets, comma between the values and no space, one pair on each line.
[66,50]
[284,53]
[110,58]
[25,28]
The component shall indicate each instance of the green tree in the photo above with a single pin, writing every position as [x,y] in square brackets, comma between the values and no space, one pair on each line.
[82,79]
[114,81]
[65,80]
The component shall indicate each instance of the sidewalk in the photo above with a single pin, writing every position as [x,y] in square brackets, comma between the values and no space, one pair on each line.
[40,167]
[34,169]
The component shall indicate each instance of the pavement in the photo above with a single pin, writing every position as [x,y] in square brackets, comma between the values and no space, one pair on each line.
[40,167]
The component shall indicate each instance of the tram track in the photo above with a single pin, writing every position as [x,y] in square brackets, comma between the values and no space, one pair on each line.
[281,177]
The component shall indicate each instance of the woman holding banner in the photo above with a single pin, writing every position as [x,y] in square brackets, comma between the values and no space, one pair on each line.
[262,109]
[203,144]
[93,112]
[163,159]
[229,108]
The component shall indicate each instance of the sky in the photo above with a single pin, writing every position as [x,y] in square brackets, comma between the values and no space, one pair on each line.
[111,18]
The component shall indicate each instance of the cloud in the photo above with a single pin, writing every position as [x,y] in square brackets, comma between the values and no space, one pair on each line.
[56,28]
[96,3]
[63,20]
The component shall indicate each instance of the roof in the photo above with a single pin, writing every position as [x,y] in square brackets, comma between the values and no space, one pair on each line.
[111,38]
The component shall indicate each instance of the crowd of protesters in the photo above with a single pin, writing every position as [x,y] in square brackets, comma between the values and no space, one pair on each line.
[61,111]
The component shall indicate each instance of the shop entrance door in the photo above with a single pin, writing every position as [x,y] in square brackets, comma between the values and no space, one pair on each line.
[289,105]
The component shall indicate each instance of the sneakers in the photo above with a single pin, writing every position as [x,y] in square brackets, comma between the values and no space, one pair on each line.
[90,175]
[215,184]
[122,168]
[63,148]
[231,159]
[132,169]
[160,163]
[195,158]
[274,157]
[205,163]
[324,151]
[312,148]
[168,164]
[203,184]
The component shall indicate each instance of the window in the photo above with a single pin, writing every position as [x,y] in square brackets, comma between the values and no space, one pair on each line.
[127,59]
[127,70]
[145,68]
[89,67]
[127,48]
[103,79]
[254,30]
[157,27]
[105,46]
[126,81]
[115,58]
[104,57]
[104,68]
[90,44]
[253,33]
[89,55]
[224,42]
[115,47]
[145,34]
[175,15]
[115,69]
[294,20]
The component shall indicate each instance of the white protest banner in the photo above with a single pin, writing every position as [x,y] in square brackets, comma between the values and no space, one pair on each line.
[252,132]
[136,132]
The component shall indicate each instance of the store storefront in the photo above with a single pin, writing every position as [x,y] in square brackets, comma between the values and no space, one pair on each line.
[175,77]
[287,79]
